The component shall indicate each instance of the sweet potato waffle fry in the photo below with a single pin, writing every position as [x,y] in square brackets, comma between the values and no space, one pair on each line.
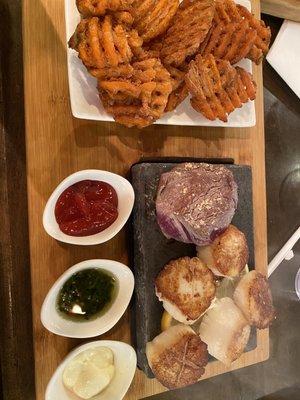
[230,41]
[152,17]
[121,71]
[151,49]
[101,44]
[236,34]
[124,18]
[179,88]
[188,29]
[140,99]
[263,37]
[218,88]
[89,8]
[144,55]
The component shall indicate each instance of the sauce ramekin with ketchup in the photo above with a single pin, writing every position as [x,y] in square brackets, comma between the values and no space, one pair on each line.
[86,208]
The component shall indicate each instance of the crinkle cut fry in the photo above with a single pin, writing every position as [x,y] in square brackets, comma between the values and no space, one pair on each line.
[230,41]
[218,88]
[246,84]
[179,88]
[98,8]
[263,37]
[149,50]
[124,17]
[177,97]
[153,17]
[126,111]
[188,29]
[113,88]
[122,70]
[136,120]
[115,43]
[228,22]
[103,45]
[142,98]
[226,11]
[86,41]
[130,115]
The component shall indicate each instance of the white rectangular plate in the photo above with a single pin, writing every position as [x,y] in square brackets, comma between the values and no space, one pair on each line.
[85,101]
[284,55]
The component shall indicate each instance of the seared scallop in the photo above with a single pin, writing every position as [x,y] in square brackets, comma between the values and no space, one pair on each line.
[177,356]
[253,296]
[228,254]
[186,287]
[225,331]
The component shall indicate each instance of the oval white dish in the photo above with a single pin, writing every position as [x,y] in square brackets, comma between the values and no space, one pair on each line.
[125,366]
[125,195]
[56,323]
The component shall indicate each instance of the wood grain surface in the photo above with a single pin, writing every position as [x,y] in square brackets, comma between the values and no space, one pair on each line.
[58,145]
[287,9]
[16,350]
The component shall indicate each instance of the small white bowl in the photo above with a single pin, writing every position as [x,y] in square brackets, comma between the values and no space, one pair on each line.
[56,323]
[125,366]
[125,195]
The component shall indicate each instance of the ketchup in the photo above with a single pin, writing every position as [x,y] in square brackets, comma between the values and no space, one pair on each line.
[86,208]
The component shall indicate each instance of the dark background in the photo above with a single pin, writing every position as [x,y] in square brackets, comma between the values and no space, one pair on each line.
[278,377]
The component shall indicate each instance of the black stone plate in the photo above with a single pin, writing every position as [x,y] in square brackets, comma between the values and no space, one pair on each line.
[151,250]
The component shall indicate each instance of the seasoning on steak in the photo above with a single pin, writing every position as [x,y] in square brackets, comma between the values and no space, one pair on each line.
[196,202]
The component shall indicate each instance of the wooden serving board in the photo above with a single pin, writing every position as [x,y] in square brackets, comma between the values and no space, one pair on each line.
[58,145]
[287,9]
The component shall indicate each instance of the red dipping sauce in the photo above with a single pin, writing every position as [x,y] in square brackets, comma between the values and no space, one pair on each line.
[86,208]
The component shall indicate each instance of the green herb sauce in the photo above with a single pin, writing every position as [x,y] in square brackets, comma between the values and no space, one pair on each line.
[87,294]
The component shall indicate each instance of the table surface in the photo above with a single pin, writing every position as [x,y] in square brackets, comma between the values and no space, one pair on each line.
[58,145]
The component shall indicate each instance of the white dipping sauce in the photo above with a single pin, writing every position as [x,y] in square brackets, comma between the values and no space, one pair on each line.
[90,372]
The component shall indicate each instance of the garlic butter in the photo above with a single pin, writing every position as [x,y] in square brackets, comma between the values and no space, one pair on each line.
[90,372]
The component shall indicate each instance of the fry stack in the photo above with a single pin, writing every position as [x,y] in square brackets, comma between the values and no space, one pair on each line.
[149,55]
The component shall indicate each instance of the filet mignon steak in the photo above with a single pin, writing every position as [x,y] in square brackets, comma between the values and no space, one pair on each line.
[196,202]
